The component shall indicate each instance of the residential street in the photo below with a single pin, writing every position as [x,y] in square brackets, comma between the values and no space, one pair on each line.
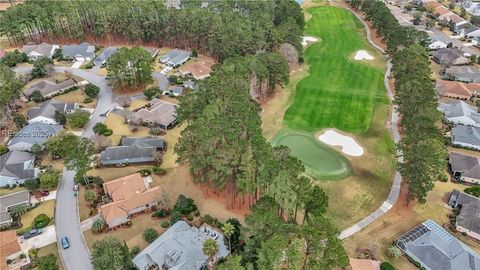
[67,222]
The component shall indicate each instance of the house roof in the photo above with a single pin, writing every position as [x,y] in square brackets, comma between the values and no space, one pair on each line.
[125,187]
[436,249]
[469,216]
[47,87]
[179,248]
[47,109]
[199,69]
[468,166]
[35,133]
[459,111]
[127,193]
[148,141]
[441,10]
[12,164]
[127,154]
[466,134]
[9,245]
[449,88]
[467,73]
[160,112]
[81,50]
[363,264]
[9,200]
[43,49]
[153,51]
[450,56]
[175,56]
[106,53]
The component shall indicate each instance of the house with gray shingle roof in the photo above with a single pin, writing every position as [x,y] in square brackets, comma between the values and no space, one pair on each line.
[175,57]
[468,220]
[450,57]
[81,52]
[465,168]
[45,113]
[49,88]
[103,57]
[36,51]
[10,200]
[459,112]
[435,249]
[158,113]
[466,136]
[180,248]
[29,135]
[133,150]
[468,74]
[16,167]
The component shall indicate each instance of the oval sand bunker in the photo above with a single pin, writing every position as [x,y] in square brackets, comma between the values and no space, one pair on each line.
[306,40]
[363,55]
[349,145]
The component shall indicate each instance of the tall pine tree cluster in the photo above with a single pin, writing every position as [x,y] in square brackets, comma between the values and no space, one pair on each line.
[221,29]
[422,145]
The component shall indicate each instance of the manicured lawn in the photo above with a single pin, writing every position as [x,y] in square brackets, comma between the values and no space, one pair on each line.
[338,92]
[76,96]
[47,208]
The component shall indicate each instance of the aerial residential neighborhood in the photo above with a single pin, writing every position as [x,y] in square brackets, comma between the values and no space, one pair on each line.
[289,134]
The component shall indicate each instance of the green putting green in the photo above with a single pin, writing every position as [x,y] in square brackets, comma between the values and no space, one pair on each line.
[320,161]
[339,92]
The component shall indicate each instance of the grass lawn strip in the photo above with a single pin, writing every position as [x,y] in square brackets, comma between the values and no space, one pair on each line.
[338,92]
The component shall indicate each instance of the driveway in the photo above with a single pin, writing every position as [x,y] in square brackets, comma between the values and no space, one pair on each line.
[162,80]
[51,196]
[47,237]
[77,64]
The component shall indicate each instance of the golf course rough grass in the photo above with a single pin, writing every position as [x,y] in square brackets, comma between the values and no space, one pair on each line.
[338,92]
[320,161]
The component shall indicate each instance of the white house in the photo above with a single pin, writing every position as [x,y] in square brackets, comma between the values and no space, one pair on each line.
[459,112]
[437,44]
[45,113]
[16,167]
[36,51]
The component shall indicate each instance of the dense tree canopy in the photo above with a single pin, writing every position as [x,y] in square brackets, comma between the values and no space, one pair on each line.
[222,28]
[129,67]
[11,88]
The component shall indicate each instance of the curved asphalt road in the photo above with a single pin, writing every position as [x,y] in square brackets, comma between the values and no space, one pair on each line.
[67,222]
[397,179]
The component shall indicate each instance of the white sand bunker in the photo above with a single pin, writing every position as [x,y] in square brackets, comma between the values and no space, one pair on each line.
[349,145]
[363,55]
[306,40]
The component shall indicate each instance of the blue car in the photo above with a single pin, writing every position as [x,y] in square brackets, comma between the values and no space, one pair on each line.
[65,243]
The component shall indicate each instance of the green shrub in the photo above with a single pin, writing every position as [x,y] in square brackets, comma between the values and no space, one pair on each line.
[158,171]
[107,133]
[145,172]
[386,266]
[189,217]
[184,205]
[160,213]
[87,100]
[165,224]
[176,216]
[443,178]
[150,235]
[40,221]
[23,256]
[156,131]
[196,213]
[475,191]
[135,250]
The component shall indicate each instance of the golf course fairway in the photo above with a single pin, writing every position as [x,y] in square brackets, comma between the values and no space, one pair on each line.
[338,92]
[320,161]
